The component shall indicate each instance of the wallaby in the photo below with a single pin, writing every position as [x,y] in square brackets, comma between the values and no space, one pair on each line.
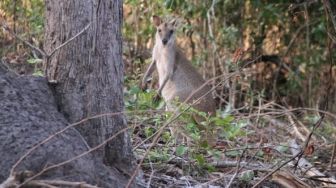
[177,77]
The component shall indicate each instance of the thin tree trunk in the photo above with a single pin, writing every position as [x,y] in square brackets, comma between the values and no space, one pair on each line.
[89,71]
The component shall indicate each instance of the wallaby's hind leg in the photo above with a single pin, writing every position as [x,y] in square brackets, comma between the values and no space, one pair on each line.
[176,128]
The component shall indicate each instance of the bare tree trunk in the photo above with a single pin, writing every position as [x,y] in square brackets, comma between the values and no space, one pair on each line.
[89,71]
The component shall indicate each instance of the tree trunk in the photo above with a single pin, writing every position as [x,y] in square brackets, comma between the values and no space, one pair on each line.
[89,71]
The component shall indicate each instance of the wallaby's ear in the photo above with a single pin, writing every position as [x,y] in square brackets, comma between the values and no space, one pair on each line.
[156,20]
[173,22]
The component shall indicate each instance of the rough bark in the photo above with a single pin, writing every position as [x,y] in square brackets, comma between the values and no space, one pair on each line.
[89,71]
[28,115]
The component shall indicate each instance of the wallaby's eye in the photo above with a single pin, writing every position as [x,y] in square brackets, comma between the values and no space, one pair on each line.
[159,30]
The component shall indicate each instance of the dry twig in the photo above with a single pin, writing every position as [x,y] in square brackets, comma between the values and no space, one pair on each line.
[238,168]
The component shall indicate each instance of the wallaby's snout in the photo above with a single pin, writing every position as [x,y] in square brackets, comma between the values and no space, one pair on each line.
[164,41]
[166,35]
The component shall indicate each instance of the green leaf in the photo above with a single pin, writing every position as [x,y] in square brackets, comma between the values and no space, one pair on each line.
[281,148]
[211,168]
[180,150]
[200,159]
[224,121]
[247,176]
[166,136]
[34,61]
[234,153]
[149,131]
[215,153]
[134,90]
[260,154]
[38,73]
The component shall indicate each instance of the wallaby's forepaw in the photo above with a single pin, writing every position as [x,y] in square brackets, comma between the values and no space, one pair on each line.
[143,86]
[156,98]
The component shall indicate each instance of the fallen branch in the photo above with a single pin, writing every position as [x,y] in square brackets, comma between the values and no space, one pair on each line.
[16,180]
[230,164]
[297,155]
[238,168]
[308,168]
[287,179]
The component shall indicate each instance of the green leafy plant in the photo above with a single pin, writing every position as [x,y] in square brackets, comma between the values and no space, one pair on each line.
[37,66]
[159,154]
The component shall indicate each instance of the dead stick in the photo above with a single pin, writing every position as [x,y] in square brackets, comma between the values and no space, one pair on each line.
[333,156]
